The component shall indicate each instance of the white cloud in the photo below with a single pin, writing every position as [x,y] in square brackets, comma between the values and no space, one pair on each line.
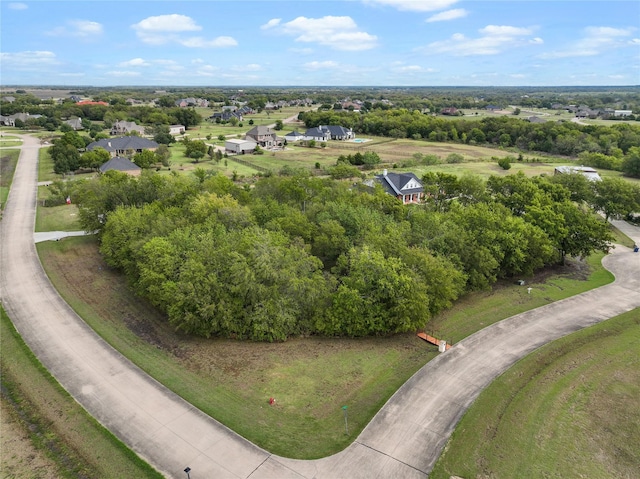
[414,5]
[595,41]
[316,65]
[167,23]
[339,33]
[206,71]
[78,28]
[28,60]
[123,73]
[448,15]
[494,39]
[251,67]
[135,62]
[199,42]
[399,67]
[274,22]
[163,29]
[17,6]
[536,41]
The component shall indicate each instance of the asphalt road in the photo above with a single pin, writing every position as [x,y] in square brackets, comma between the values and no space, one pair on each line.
[403,440]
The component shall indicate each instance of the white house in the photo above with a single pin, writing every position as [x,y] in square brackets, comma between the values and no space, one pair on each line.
[622,112]
[590,173]
[294,136]
[239,147]
[176,129]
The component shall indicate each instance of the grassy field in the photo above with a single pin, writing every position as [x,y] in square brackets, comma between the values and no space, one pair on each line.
[311,378]
[8,162]
[569,410]
[45,433]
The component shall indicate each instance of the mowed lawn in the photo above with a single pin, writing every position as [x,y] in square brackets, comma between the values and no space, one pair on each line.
[311,378]
[569,410]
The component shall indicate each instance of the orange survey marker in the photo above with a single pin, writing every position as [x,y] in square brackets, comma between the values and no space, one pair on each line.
[432,340]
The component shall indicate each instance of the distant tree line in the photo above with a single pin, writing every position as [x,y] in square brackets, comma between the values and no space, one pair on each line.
[299,255]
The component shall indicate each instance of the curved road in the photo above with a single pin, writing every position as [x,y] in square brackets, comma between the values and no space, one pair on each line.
[402,441]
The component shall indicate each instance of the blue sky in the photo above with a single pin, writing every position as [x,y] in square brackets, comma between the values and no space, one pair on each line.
[334,42]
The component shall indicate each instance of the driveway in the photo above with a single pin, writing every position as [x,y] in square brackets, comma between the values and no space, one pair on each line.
[403,440]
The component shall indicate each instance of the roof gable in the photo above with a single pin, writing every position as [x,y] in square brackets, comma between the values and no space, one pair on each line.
[119,164]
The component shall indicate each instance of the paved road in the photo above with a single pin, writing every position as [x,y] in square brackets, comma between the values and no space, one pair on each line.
[402,441]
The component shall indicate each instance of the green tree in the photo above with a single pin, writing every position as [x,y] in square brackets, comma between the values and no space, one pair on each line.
[94,159]
[164,155]
[631,163]
[505,163]
[278,125]
[195,149]
[615,198]
[162,136]
[145,159]
[376,295]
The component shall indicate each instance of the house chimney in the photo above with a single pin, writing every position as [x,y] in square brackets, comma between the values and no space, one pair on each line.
[384,172]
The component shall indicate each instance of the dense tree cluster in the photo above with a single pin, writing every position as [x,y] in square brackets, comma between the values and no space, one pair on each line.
[303,255]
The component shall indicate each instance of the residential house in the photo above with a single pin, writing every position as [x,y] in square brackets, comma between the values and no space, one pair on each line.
[622,112]
[404,186]
[590,173]
[226,115]
[89,102]
[11,119]
[126,128]
[246,110]
[126,146]
[9,99]
[536,119]
[239,147]
[124,165]
[7,121]
[176,129]
[449,110]
[329,132]
[75,123]
[294,136]
[264,136]
[317,134]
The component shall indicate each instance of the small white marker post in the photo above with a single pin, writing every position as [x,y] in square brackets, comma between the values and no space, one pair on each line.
[529,290]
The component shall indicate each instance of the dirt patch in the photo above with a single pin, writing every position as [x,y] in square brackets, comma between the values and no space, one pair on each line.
[19,457]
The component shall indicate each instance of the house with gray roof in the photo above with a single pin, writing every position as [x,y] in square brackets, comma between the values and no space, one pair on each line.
[264,136]
[329,132]
[404,186]
[126,128]
[294,136]
[124,165]
[125,146]
[75,123]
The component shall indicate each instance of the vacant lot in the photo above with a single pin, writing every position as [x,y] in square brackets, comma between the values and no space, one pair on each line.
[311,378]
[571,409]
